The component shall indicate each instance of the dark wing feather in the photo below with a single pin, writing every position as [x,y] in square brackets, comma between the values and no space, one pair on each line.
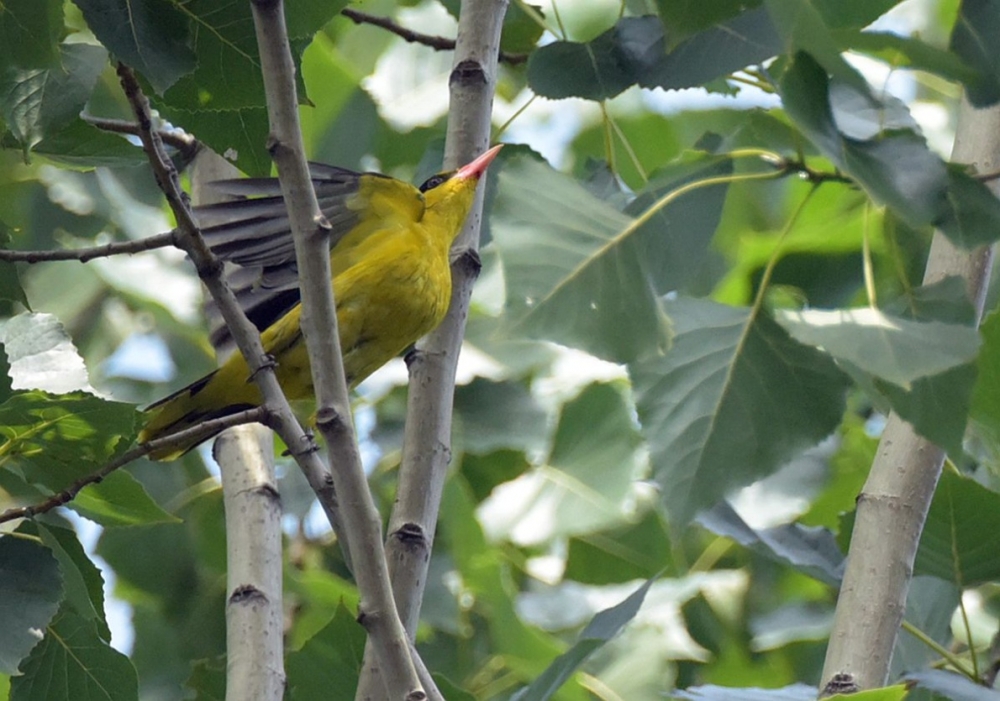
[255,234]
[264,294]
[256,231]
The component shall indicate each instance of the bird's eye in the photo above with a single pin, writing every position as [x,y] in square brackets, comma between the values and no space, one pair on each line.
[433,182]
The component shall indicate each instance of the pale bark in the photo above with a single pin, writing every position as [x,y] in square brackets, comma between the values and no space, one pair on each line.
[254,614]
[427,439]
[893,505]
[319,324]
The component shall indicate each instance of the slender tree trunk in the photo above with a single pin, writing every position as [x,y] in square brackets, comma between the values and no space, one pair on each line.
[893,505]
[427,439]
[254,614]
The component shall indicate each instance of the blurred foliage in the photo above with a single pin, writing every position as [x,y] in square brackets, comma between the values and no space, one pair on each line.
[695,311]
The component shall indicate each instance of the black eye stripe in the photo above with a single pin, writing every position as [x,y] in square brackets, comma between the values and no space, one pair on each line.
[433,182]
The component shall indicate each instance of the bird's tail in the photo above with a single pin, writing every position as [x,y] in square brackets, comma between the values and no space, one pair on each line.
[186,408]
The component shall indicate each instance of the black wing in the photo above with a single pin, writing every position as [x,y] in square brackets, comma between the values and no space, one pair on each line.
[254,233]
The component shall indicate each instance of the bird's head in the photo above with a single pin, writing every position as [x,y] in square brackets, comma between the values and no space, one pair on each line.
[451,193]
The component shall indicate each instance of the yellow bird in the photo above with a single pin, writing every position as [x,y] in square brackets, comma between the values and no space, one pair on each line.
[391,281]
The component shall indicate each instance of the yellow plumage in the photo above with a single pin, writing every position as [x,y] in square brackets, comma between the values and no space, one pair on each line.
[392,285]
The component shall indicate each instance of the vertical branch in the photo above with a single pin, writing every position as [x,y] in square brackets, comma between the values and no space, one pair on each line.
[319,325]
[254,613]
[427,439]
[254,650]
[893,505]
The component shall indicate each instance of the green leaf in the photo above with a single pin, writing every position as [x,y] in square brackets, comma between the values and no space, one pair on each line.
[961,538]
[328,665]
[485,472]
[599,69]
[42,355]
[587,482]
[30,32]
[937,407]
[930,603]
[895,167]
[973,210]
[227,76]
[10,282]
[574,271]
[952,686]
[675,241]
[985,410]
[73,663]
[31,587]
[208,680]
[82,579]
[944,300]
[119,500]
[604,626]
[733,400]
[633,52]
[82,145]
[450,691]
[55,440]
[151,36]
[485,574]
[972,40]
[495,415]
[894,349]
[37,101]
[624,554]
[909,52]
[842,14]
[683,18]
[238,133]
[318,594]
[520,32]
[804,28]
[5,381]
[744,40]
[812,551]
[306,17]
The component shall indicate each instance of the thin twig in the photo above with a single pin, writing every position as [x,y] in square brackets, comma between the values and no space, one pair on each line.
[87,254]
[177,138]
[437,43]
[194,434]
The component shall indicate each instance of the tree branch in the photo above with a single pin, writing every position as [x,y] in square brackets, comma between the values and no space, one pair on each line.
[179,139]
[196,433]
[252,503]
[893,504]
[319,325]
[427,439]
[254,606]
[435,42]
[84,255]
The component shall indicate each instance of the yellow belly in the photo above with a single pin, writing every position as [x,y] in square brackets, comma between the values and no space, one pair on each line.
[384,304]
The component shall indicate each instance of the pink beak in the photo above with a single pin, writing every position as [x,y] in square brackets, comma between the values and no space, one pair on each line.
[476,168]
